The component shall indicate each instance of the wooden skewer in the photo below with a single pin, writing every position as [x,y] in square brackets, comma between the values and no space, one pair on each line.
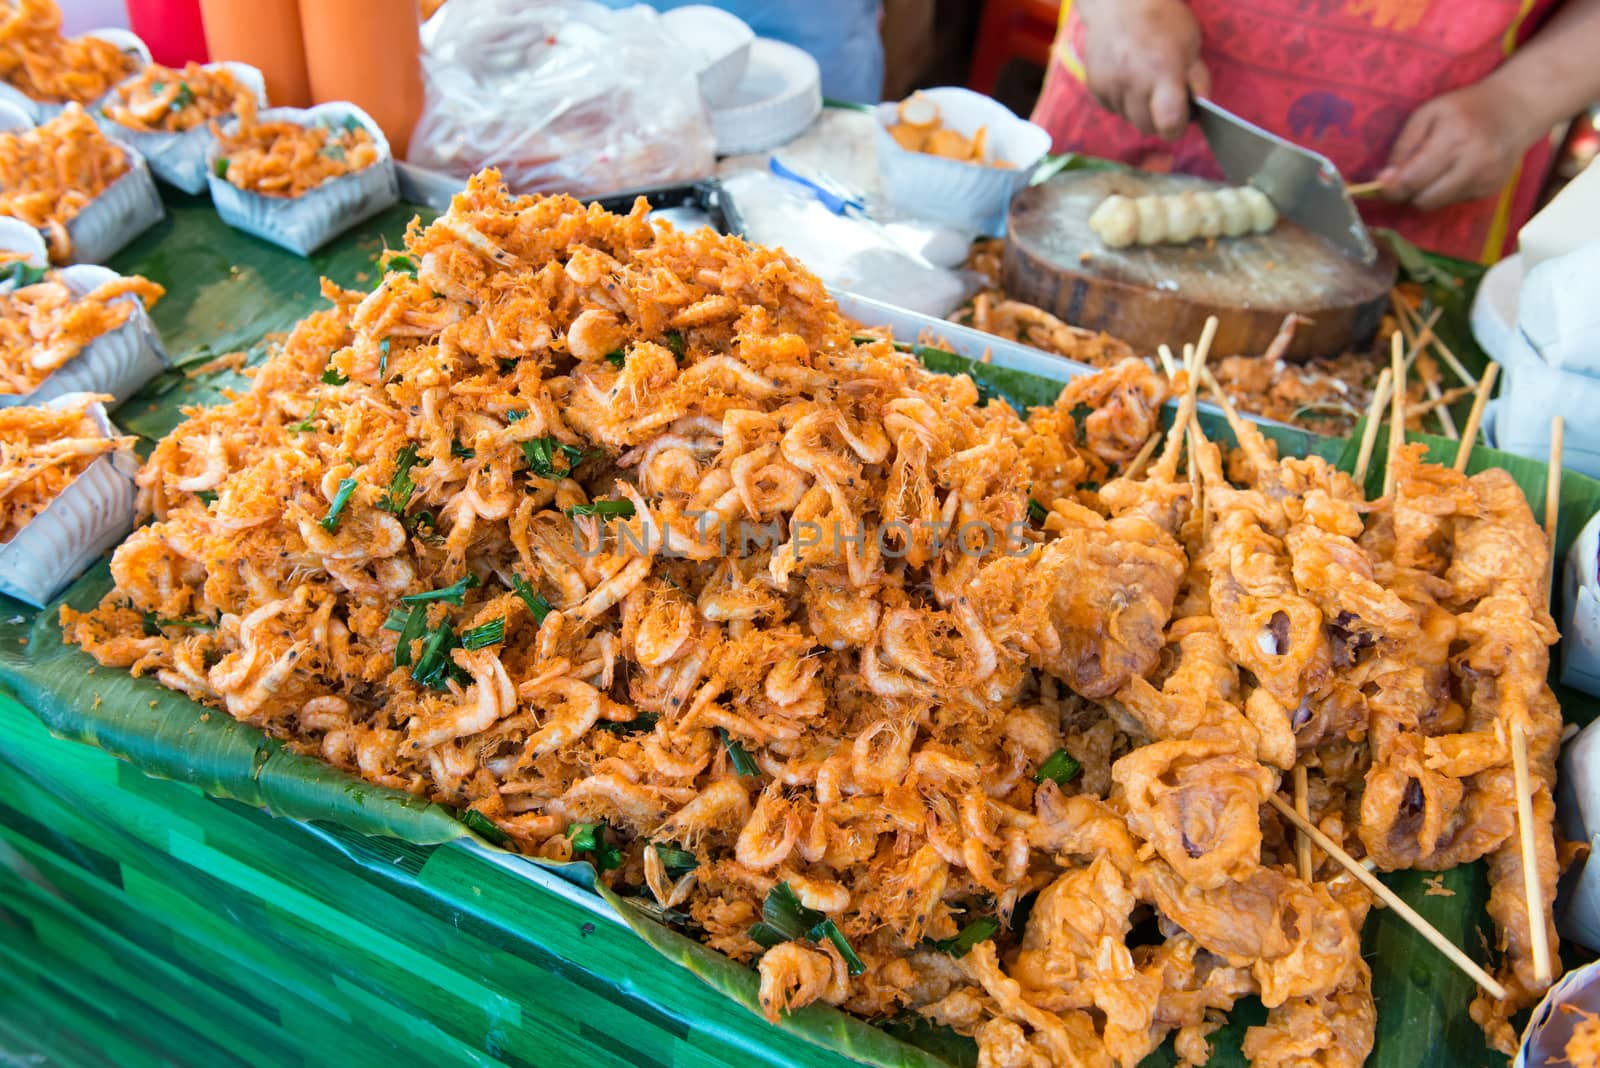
[1397,424]
[1357,190]
[1302,805]
[1469,436]
[1369,434]
[1391,899]
[1168,364]
[1427,336]
[1147,450]
[1439,400]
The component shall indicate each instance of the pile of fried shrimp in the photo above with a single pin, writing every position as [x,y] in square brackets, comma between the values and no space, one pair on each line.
[43,65]
[49,173]
[615,537]
[43,325]
[42,450]
[163,100]
[288,159]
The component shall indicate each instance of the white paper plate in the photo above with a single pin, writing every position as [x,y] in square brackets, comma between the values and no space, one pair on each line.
[1544,1042]
[966,195]
[778,97]
[179,159]
[719,41]
[85,520]
[305,223]
[40,110]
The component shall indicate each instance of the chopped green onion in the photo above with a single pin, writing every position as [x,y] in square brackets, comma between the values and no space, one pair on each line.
[412,626]
[153,624]
[616,357]
[591,838]
[675,342]
[678,862]
[21,274]
[157,86]
[351,124]
[433,660]
[332,151]
[184,98]
[332,377]
[453,593]
[221,167]
[785,919]
[538,607]
[341,497]
[403,264]
[980,930]
[484,827]
[400,485]
[1059,767]
[603,509]
[460,451]
[383,357]
[490,633]
[306,424]
[541,456]
[644,721]
[1036,511]
[830,930]
[743,762]
[206,496]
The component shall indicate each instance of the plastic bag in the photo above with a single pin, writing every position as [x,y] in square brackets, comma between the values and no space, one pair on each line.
[562,96]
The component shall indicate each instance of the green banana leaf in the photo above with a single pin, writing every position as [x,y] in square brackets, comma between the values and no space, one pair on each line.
[226,291]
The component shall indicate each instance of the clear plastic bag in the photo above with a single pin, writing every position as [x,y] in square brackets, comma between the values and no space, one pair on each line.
[562,96]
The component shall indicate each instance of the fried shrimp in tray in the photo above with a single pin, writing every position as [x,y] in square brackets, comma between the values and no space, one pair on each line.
[41,451]
[50,173]
[43,325]
[618,537]
[164,100]
[40,63]
[286,158]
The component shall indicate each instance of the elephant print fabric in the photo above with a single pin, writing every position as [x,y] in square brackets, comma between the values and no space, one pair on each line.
[1338,76]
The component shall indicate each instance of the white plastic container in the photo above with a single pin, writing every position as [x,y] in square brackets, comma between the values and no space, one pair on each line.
[179,159]
[1551,1026]
[40,110]
[1580,627]
[125,209]
[778,97]
[93,513]
[305,223]
[967,195]
[720,43]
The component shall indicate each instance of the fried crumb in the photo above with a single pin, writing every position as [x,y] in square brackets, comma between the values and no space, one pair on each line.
[1436,887]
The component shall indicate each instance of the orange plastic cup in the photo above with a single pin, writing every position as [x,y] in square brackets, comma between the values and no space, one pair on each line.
[367,52]
[264,34]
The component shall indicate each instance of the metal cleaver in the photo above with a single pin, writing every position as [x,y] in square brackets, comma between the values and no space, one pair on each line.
[1301,184]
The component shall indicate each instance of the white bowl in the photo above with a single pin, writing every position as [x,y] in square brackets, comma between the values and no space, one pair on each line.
[307,222]
[179,159]
[720,43]
[778,97]
[40,110]
[967,195]
[86,519]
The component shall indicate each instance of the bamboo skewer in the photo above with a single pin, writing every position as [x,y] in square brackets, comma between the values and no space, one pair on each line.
[1147,450]
[1469,436]
[1391,899]
[1397,425]
[1168,364]
[1447,357]
[1357,190]
[1438,401]
[1369,434]
[1302,805]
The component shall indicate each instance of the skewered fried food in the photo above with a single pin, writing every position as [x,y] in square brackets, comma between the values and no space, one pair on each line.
[287,159]
[163,100]
[1178,218]
[41,451]
[43,325]
[484,534]
[49,173]
[43,65]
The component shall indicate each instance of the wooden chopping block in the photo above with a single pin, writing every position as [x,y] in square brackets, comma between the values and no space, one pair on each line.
[1163,293]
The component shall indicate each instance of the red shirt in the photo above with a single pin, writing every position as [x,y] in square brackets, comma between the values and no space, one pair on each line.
[1338,76]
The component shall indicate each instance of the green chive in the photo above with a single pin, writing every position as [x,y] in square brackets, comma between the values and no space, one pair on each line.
[206,496]
[538,607]
[433,659]
[980,930]
[616,357]
[675,342]
[306,424]
[1036,511]
[413,625]
[830,930]
[644,721]
[603,509]
[403,264]
[490,633]
[678,862]
[330,522]
[1059,767]
[591,838]
[453,593]
[460,451]
[21,274]
[742,761]
[484,827]
[221,167]
[152,624]
[332,377]
[401,487]
[184,98]
[541,453]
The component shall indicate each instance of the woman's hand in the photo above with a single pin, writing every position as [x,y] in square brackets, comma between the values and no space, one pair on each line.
[1463,145]
[1142,59]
